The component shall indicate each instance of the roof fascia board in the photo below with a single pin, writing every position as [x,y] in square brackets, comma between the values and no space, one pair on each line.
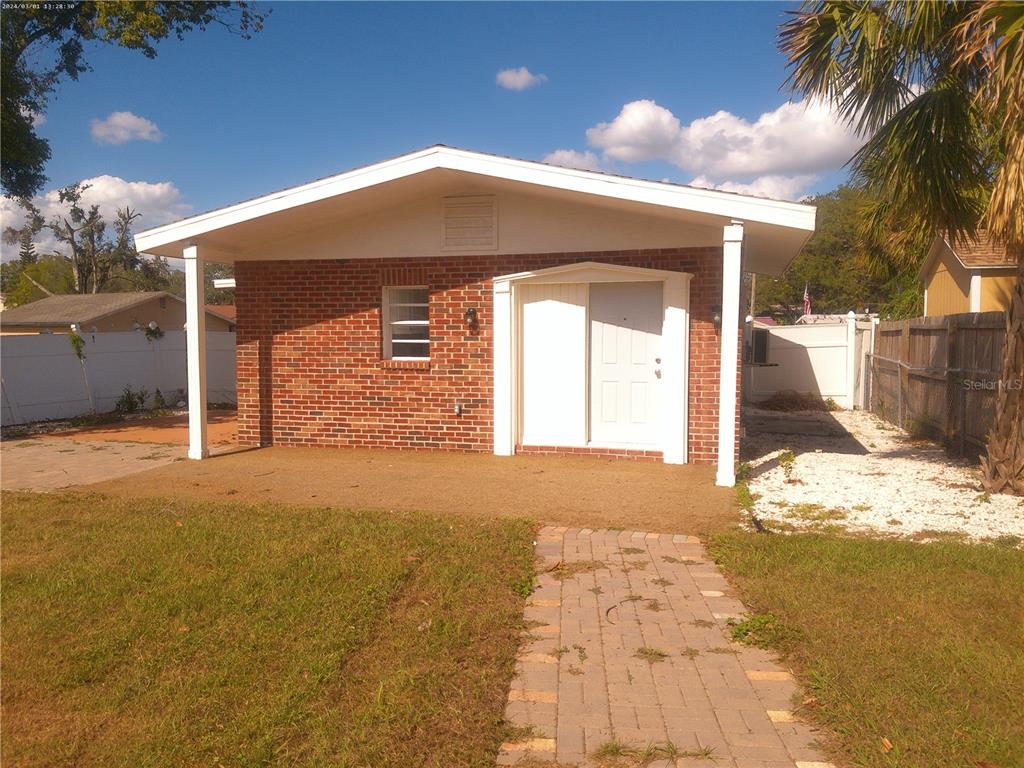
[725,204]
[361,178]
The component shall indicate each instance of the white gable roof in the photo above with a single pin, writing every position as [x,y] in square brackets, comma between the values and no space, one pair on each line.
[794,217]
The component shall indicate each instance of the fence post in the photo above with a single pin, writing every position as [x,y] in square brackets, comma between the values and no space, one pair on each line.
[851,358]
[905,338]
[963,419]
[869,383]
[899,395]
[952,420]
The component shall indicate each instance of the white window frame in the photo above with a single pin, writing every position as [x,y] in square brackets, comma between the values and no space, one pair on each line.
[387,323]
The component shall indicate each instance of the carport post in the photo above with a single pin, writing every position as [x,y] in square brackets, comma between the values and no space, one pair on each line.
[732,249]
[195,344]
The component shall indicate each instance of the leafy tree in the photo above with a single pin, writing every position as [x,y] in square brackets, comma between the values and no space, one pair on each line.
[51,274]
[23,236]
[939,90]
[26,248]
[96,263]
[42,43]
[834,267]
[94,257]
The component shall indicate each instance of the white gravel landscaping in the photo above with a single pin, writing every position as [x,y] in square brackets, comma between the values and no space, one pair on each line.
[876,479]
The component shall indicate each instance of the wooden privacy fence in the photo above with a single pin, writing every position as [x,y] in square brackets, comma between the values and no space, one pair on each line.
[939,376]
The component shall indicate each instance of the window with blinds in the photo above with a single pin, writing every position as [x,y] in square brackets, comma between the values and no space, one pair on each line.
[405,311]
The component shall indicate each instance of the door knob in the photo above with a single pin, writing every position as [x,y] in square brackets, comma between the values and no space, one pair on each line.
[657,360]
[657,373]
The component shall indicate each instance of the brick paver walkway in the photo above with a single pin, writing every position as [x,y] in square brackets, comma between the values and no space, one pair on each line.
[627,641]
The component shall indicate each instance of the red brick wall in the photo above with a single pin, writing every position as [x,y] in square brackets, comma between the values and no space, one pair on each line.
[309,350]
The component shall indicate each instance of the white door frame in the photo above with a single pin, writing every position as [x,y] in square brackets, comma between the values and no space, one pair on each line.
[675,335]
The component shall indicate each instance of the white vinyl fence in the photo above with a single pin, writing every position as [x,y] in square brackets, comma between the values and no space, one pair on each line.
[43,379]
[824,359]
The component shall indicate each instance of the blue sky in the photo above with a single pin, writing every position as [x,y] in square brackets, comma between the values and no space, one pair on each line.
[632,88]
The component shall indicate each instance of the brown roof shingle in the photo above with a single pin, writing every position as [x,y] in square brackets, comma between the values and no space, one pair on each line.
[75,308]
[983,252]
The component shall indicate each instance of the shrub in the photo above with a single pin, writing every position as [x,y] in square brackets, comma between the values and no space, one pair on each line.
[131,401]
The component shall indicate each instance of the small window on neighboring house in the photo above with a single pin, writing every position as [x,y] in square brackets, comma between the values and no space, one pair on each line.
[406,323]
[759,346]
[163,302]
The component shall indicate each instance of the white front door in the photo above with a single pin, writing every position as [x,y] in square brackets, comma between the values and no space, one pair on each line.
[625,364]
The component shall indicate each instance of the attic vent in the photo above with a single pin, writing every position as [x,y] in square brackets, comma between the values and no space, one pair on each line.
[470,224]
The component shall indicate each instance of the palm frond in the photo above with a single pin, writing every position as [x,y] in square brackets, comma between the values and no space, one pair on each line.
[994,32]
[929,161]
[842,53]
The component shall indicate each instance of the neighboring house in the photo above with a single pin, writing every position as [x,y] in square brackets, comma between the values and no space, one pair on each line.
[967,276]
[103,313]
[453,300]
[227,311]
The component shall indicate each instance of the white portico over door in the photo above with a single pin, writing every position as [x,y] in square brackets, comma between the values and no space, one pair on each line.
[592,355]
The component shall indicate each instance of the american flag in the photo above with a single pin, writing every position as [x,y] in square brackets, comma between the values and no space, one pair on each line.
[807,301]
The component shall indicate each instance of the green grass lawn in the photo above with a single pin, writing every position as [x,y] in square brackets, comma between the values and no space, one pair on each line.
[919,644]
[157,633]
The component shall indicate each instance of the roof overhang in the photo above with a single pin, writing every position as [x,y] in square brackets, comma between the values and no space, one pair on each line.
[775,229]
[941,245]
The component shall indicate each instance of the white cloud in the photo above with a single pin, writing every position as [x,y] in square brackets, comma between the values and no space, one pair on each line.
[159,203]
[122,127]
[772,154]
[642,131]
[775,186]
[519,79]
[570,158]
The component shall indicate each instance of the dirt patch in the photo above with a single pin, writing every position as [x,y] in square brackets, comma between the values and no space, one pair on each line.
[222,429]
[575,491]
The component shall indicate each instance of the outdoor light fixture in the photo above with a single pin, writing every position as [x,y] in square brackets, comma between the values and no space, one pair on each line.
[471,319]
[716,316]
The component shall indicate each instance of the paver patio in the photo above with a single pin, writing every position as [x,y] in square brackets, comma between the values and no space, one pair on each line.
[602,596]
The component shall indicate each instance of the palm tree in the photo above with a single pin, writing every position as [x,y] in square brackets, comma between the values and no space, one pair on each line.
[938,91]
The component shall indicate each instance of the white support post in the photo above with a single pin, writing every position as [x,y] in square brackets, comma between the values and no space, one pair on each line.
[504,386]
[851,360]
[195,343]
[732,250]
[975,293]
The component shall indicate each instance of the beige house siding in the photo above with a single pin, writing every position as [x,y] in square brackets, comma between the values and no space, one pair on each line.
[947,295]
[996,291]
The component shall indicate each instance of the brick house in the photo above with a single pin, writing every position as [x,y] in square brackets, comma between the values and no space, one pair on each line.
[453,300]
